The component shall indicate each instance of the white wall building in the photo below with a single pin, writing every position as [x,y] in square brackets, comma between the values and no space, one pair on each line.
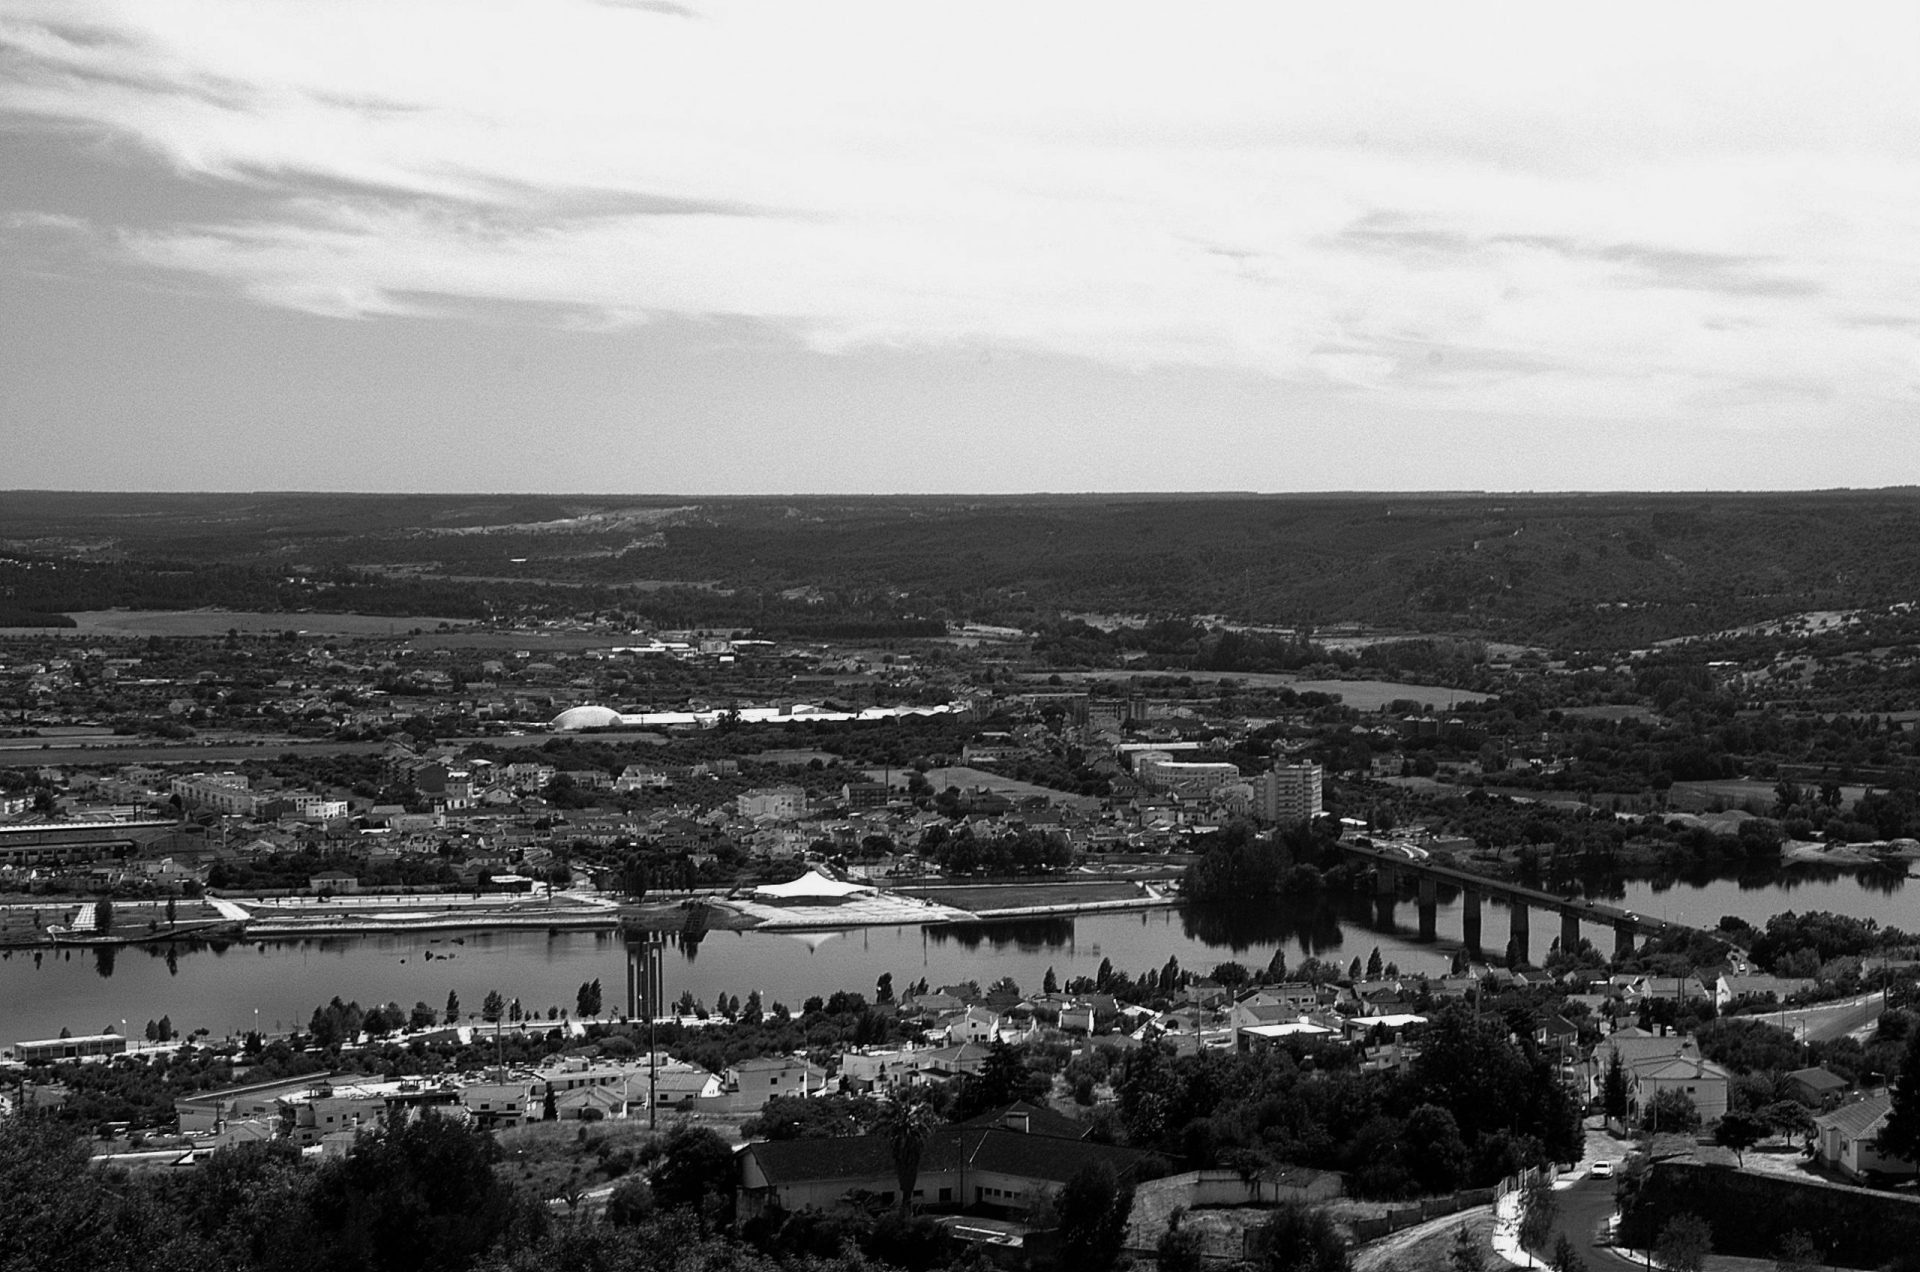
[1288,793]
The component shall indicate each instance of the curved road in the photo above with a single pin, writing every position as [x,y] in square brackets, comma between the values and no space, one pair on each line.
[1584,1206]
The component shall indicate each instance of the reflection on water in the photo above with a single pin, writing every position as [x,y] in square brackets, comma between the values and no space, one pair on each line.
[1053,933]
[219,986]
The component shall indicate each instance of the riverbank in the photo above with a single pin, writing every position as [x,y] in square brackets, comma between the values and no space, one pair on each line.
[234,919]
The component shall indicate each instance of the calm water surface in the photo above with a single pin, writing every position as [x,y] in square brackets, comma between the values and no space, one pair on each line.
[89,990]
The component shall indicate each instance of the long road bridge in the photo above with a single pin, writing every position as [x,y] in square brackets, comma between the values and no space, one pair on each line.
[1393,864]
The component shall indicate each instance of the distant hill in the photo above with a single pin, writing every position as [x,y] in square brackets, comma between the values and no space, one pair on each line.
[1587,570]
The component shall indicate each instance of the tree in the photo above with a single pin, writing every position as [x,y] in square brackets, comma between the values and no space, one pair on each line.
[1050,984]
[1465,1255]
[1436,1155]
[587,1001]
[103,916]
[1787,1117]
[630,1202]
[1354,969]
[420,1193]
[1277,967]
[1093,1208]
[165,1029]
[1797,1253]
[1538,1210]
[695,1171]
[1566,1257]
[1375,967]
[1740,1131]
[1613,1090]
[493,1007]
[1302,1239]
[882,989]
[1684,1244]
[1181,1249]
[549,1106]
[453,1008]
[908,1126]
[1900,1133]
[1672,1110]
[791,1117]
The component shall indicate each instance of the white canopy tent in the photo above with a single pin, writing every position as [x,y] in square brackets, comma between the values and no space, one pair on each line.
[811,888]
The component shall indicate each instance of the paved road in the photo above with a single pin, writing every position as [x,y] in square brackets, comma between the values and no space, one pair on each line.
[1827,1021]
[1583,1208]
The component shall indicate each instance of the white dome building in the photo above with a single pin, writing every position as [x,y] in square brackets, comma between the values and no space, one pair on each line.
[586,718]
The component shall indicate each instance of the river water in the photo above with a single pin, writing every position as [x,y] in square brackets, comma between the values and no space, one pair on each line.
[279,983]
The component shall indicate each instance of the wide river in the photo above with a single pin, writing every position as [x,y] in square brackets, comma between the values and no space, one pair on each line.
[279,983]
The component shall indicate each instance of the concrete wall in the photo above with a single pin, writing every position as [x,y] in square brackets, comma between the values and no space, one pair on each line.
[1752,1213]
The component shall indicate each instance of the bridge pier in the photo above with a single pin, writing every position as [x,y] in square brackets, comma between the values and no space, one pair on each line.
[1470,919]
[1383,904]
[1569,930]
[1519,921]
[1622,939]
[1429,908]
[646,992]
[1385,879]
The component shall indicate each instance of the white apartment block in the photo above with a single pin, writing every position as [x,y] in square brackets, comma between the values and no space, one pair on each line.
[1288,793]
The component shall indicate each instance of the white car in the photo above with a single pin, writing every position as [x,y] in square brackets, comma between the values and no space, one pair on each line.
[1602,1170]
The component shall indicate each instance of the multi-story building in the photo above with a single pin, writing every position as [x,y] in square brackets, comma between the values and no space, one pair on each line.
[772,801]
[1288,793]
[1193,779]
[227,793]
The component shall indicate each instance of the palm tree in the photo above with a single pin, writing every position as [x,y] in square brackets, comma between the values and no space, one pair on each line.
[908,1126]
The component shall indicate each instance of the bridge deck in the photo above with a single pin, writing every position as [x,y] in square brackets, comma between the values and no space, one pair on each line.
[1591,911]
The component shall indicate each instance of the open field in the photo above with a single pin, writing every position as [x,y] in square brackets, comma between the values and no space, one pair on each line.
[1737,793]
[1371,695]
[967,778]
[37,751]
[220,622]
[1362,695]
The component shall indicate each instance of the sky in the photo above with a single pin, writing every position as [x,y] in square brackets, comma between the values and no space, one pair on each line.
[650,246]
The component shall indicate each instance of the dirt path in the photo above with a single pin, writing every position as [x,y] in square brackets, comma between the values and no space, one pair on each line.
[1427,1245]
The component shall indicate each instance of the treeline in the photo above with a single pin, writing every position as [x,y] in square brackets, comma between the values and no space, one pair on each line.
[14,616]
[1473,1107]
[51,585]
[1242,864]
[1179,643]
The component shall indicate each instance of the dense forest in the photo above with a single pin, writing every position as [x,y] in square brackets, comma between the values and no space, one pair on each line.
[1587,570]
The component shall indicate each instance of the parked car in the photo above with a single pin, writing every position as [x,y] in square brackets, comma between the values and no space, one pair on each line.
[1602,1170]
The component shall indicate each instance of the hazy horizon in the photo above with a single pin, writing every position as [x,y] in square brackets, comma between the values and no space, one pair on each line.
[728,247]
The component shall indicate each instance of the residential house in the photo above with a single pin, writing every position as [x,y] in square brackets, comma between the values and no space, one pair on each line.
[501,1103]
[1843,1140]
[1817,1086]
[767,1077]
[678,1085]
[868,1071]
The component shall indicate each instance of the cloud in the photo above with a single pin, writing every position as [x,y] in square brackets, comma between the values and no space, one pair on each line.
[1502,209]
